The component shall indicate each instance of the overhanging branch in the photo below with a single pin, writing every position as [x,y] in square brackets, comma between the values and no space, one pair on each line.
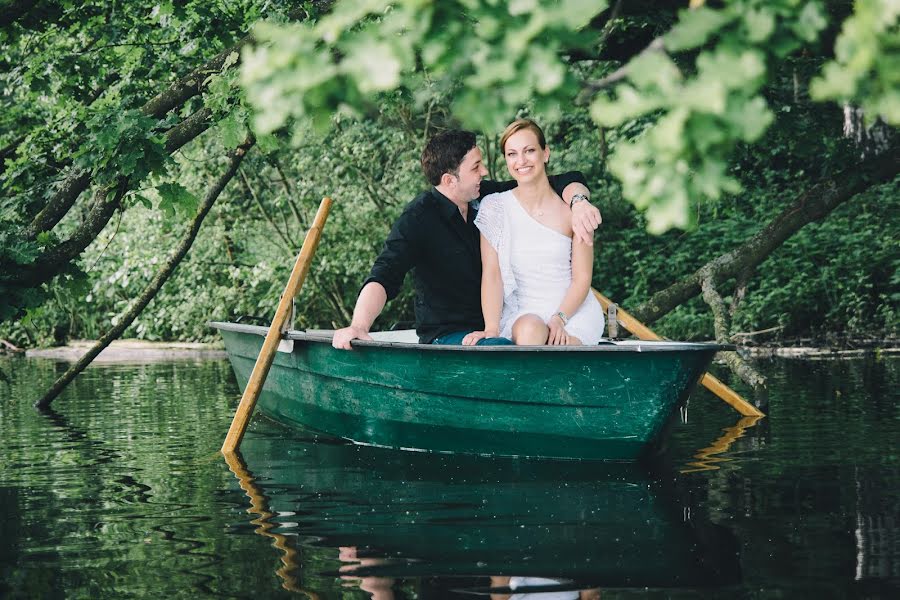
[812,205]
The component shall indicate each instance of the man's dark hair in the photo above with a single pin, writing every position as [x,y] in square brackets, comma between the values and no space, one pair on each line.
[445,152]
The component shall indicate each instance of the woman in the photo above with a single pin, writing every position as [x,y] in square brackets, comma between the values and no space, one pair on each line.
[535,281]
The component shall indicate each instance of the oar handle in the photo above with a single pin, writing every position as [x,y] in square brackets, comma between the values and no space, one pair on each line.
[267,354]
[718,388]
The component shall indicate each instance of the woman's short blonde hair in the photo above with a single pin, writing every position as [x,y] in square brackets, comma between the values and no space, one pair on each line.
[517,126]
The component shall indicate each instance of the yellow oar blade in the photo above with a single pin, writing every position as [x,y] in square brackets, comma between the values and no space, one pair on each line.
[718,388]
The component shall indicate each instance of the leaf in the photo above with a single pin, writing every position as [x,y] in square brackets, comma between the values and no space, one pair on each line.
[695,26]
[175,198]
[654,69]
[578,13]
[230,60]
[233,131]
[760,24]
[810,22]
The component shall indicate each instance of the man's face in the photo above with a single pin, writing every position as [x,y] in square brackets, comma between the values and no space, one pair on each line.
[467,185]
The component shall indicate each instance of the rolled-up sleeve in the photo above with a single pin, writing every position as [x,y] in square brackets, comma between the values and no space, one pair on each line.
[397,256]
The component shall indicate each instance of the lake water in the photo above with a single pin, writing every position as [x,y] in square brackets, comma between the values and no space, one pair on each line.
[121,493]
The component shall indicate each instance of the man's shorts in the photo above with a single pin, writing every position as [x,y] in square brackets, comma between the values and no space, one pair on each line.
[456,338]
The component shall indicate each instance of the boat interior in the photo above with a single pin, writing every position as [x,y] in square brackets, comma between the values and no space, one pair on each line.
[408,337]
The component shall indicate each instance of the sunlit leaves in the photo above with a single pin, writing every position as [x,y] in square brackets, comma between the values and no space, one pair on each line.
[232,129]
[702,108]
[696,26]
[506,53]
[866,69]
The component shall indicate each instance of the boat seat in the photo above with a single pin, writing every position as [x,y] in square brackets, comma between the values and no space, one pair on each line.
[407,336]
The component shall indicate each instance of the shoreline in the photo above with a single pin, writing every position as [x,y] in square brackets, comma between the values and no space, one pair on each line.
[131,350]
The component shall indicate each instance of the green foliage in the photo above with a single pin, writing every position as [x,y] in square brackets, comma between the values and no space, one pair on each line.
[496,56]
[866,68]
[702,107]
[173,197]
[700,85]
[123,145]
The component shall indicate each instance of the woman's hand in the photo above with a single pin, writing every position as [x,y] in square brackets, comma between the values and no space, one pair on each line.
[558,335]
[473,338]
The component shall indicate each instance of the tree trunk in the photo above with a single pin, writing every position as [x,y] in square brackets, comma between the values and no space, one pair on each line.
[235,158]
[55,259]
[811,206]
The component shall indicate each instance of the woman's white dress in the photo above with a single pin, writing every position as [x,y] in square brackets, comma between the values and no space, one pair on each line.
[536,267]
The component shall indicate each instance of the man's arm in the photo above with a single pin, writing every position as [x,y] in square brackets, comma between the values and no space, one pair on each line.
[585,216]
[371,300]
[396,259]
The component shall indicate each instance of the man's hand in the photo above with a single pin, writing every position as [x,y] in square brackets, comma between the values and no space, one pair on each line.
[585,219]
[342,337]
[474,337]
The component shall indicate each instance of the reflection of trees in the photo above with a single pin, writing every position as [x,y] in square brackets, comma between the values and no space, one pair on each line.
[124,488]
[809,489]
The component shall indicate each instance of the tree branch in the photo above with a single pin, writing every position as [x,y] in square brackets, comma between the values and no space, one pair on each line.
[592,87]
[262,209]
[79,180]
[235,158]
[52,261]
[812,205]
[172,97]
[290,192]
[739,367]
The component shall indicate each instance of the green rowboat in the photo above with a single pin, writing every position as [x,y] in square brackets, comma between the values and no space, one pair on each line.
[611,401]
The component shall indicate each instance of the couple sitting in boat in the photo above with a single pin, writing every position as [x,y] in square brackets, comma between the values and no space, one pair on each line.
[514,270]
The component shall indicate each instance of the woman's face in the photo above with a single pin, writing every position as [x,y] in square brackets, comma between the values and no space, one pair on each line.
[525,158]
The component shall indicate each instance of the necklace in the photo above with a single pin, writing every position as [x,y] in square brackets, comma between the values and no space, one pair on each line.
[539,209]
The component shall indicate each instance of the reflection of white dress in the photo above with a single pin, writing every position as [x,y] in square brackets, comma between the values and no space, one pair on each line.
[517,582]
[536,267]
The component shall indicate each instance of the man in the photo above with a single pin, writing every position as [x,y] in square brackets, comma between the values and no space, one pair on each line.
[436,236]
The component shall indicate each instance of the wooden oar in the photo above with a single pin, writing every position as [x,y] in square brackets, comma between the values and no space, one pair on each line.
[708,381]
[267,354]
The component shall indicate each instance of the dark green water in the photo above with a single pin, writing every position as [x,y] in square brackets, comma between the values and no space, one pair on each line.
[121,494]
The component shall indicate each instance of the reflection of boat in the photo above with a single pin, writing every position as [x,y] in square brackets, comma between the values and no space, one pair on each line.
[609,401]
[449,515]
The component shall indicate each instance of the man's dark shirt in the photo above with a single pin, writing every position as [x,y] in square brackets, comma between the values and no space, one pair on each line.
[444,252]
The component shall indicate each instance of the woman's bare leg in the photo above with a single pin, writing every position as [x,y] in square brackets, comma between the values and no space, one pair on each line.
[530,330]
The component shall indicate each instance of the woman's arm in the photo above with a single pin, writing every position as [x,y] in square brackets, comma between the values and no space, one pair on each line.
[491,294]
[582,270]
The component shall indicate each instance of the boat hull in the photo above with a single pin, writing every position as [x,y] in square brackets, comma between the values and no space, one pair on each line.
[506,401]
